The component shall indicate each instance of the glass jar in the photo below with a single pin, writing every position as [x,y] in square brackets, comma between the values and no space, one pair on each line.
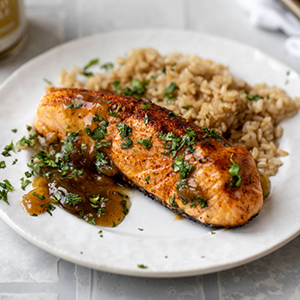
[12,26]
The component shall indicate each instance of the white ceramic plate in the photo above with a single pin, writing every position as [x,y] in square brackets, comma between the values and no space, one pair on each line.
[167,247]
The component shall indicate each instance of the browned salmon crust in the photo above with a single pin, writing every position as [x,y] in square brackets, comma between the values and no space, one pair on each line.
[227,205]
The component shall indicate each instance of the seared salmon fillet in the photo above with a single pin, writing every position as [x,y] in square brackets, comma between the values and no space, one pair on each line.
[191,170]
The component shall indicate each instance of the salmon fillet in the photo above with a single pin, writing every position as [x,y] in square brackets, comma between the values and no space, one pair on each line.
[204,179]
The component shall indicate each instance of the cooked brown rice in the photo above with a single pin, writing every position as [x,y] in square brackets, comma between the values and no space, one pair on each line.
[207,95]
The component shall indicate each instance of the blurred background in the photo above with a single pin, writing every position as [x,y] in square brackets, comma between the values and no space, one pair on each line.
[27,272]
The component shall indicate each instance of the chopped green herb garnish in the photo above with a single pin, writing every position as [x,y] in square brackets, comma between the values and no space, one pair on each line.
[99,132]
[173,115]
[141,266]
[212,232]
[7,149]
[168,92]
[71,199]
[146,119]
[182,166]
[174,143]
[140,229]
[147,178]
[47,81]
[92,221]
[172,201]
[42,197]
[124,207]
[24,183]
[68,142]
[124,132]
[115,113]
[254,97]
[96,118]
[124,129]
[181,211]
[87,74]
[14,130]
[187,107]
[28,127]
[201,200]
[2,164]
[107,66]
[138,88]
[127,144]
[211,133]
[102,144]
[146,143]
[74,104]
[234,172]
[90,64]
[100,159]
[98,199]
[145,106]
[164,70]
[50,208]
[122,195]
[6,187]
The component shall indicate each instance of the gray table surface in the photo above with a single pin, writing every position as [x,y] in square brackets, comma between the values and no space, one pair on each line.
[26,272]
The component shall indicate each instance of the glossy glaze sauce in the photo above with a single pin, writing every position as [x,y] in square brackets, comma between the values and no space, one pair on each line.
[81,180]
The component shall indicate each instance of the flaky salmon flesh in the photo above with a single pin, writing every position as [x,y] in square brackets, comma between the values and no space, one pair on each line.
[191,170]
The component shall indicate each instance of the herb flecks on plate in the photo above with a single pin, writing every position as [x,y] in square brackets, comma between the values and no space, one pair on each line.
[5,188]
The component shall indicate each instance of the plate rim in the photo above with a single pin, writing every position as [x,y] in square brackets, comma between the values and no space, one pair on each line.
[139,272]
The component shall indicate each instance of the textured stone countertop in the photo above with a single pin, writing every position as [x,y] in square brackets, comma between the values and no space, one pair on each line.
[27,272]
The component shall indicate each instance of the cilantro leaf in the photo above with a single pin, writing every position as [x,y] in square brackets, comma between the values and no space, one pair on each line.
[124,129]
[6,187]
[182,166]
[7,149]
[127,144]
[254,97]
[146,143]
[115,113]
[234,172]
[107,66]
[47,81]
[24,183]
[168,92]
